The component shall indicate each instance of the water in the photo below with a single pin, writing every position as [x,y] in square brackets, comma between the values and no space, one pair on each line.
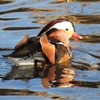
[20,17]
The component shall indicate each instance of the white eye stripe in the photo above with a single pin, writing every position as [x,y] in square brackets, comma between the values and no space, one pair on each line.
[64,25]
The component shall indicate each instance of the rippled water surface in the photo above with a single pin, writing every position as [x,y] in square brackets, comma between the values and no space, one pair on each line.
[81,81]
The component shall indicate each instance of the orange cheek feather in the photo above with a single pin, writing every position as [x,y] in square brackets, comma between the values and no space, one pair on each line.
[48,48]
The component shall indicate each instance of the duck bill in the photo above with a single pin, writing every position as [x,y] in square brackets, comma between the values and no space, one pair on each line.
[76,35]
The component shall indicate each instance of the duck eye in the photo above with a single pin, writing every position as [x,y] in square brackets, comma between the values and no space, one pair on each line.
[66,29]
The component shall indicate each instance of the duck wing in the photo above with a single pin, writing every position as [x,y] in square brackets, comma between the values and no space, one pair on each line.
[25,47]
[23,41]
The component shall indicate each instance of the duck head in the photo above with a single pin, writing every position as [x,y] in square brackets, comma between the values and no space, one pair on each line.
[61,24]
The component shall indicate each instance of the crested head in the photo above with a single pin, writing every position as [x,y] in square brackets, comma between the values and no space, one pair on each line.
[59,24]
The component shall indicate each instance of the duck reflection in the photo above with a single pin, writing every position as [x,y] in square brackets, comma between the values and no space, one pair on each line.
[59,75]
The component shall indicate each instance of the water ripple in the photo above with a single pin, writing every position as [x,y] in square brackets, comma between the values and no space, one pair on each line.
[6,1]
[20,28]
[29,9]
[90,38]
[88,19]
[87,0]
[6,19]
[20,17]
[83,19]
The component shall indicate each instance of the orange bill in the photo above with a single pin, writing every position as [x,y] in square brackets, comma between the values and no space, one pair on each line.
[76,35]
[48,48]
[23,41]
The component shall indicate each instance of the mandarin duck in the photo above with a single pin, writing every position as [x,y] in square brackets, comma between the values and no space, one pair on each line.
[51,45]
